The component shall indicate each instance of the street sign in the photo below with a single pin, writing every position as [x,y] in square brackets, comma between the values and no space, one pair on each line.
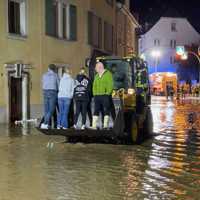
[180,50]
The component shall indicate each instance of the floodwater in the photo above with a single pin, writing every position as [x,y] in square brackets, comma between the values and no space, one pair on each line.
[38,167]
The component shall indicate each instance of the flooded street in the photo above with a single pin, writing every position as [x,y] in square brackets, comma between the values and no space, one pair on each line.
[38,167]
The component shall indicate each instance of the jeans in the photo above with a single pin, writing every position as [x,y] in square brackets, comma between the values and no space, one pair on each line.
[50,100]
[64,104]
[81,107]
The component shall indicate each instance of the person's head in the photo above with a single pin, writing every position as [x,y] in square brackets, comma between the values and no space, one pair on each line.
[99,67]
[52,67]
[82,71]
[66,70]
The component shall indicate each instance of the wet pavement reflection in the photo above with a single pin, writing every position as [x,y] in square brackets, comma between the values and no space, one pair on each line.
[38,167]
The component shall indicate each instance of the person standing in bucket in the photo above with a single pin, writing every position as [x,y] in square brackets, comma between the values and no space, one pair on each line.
[65,94]
[102,89]
[50,84]
[82,96]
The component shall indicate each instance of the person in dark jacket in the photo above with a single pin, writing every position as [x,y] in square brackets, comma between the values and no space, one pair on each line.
[82,96]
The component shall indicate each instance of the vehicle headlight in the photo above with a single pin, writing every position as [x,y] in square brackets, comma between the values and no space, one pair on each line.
[131,91]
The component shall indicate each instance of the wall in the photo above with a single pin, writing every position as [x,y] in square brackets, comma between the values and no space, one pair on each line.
[39,50]
[107,14]
[68,52]
[16,48]
[126,32]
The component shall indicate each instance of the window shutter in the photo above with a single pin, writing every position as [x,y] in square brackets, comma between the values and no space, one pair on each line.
[72,22]
[94,30]
[50,18]
[108,37]
[90,39]
[64,22]
[100,33]
[14,17]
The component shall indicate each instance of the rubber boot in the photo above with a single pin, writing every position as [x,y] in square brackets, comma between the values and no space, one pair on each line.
[94,122]
[106,122]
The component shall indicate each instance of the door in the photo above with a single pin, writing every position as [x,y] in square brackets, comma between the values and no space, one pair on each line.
[15,99]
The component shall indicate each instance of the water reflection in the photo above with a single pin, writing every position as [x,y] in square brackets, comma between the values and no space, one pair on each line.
[165,167]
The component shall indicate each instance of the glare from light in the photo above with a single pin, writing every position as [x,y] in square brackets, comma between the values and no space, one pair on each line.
[180,50]
[131,91]
[142,56]
[169,74]
[156,53]
[184,56]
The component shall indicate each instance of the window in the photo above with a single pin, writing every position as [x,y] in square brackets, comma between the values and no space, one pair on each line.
[156,42]
[61,20]
[122,73]
[55,21]
[94,30]
[173,27]
[64,12]
[72,23]
[108,37]
[51,17]
[173,44]
[171,60]
[17,17]
[110,2]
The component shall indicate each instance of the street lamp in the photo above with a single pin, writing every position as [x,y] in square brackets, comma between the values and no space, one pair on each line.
[156,54]
[180,51]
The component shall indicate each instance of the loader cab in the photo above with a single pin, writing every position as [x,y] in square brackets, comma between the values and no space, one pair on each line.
[121,71]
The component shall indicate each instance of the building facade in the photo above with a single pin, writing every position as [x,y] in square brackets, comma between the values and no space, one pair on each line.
[37,33]
[158,45]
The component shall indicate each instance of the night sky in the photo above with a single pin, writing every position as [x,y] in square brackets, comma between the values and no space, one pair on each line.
[151,10]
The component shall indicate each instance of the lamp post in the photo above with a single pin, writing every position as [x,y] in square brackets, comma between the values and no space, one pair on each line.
[156,54]
[184,55]
[198,58]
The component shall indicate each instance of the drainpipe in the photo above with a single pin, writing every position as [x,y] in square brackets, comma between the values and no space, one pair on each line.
[24,97]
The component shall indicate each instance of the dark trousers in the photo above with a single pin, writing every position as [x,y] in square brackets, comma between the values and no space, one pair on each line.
[112,110]
[102,104]
[89,112]
[81,107]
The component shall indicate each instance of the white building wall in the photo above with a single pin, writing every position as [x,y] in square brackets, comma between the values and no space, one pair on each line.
[185,34]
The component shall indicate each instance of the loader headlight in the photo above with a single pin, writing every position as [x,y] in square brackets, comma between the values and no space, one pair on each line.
[131,91]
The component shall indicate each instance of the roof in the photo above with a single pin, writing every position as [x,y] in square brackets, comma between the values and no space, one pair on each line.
[170,12]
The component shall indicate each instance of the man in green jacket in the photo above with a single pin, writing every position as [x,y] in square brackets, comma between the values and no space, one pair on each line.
[102,89]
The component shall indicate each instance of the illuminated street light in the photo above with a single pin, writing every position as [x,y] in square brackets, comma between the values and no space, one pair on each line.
[184,56]
[156,53]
